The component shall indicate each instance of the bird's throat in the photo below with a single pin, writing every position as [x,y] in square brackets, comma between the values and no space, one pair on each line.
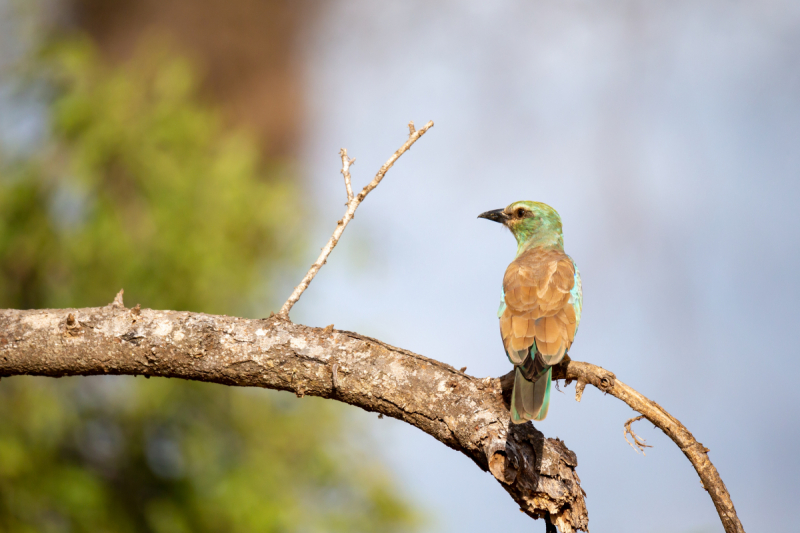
[548,240]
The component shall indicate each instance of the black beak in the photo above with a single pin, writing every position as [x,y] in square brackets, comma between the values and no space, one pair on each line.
[498,215]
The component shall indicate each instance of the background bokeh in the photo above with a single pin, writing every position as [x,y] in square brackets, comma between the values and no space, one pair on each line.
[665,133]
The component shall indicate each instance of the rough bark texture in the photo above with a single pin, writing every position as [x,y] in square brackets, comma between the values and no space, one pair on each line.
[465,413]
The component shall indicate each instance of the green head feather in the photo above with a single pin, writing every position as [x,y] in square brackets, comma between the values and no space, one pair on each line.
[533,224]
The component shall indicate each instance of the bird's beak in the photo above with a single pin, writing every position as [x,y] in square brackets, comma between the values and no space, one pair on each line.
[498,215]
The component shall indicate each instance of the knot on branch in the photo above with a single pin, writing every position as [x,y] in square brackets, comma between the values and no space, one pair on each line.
[72,327]
[503,460]
[607,382]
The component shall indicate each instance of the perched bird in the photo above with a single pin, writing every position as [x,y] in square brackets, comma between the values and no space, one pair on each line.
[540,308]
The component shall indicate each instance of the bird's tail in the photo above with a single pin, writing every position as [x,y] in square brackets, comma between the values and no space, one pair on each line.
[530,399]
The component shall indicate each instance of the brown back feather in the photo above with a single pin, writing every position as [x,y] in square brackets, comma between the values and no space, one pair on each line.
[537,288]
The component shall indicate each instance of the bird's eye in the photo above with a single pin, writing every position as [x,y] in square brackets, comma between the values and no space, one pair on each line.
[521,213]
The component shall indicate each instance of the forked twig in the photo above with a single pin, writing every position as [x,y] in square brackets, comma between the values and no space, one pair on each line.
[352,204]
[638,444]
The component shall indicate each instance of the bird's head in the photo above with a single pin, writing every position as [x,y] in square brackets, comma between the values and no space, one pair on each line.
[532,223]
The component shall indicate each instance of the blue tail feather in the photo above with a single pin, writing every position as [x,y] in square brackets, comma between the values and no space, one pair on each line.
[530,400]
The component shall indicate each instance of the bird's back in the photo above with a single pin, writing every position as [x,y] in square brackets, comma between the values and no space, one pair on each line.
[540,313]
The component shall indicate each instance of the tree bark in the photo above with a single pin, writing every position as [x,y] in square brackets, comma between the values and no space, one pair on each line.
[466,413]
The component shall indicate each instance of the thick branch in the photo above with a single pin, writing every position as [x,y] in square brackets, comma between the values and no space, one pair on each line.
[697,454]
[465,413]
[352,204]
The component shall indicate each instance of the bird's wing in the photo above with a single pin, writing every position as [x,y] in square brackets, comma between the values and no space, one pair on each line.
[540,316]
[577,297]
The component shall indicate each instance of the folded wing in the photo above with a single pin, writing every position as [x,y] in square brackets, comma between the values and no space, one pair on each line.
[539,316]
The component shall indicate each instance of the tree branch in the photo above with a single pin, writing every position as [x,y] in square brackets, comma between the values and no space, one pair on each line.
[465,413]
[352,204]
[697,454]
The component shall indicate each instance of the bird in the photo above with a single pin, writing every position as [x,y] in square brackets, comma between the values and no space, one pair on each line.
[540,306]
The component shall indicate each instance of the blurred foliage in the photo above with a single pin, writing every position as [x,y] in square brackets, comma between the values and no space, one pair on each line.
[128,454]
[140,185]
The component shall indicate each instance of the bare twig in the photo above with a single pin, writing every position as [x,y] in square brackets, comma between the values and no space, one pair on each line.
[640,443]
[352,204]
[694,451]
[346,162]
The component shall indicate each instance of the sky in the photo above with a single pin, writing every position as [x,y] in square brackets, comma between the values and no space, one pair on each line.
[667,135]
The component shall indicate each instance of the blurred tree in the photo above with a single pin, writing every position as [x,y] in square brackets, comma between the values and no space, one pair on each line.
[141,186]
[250,50]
